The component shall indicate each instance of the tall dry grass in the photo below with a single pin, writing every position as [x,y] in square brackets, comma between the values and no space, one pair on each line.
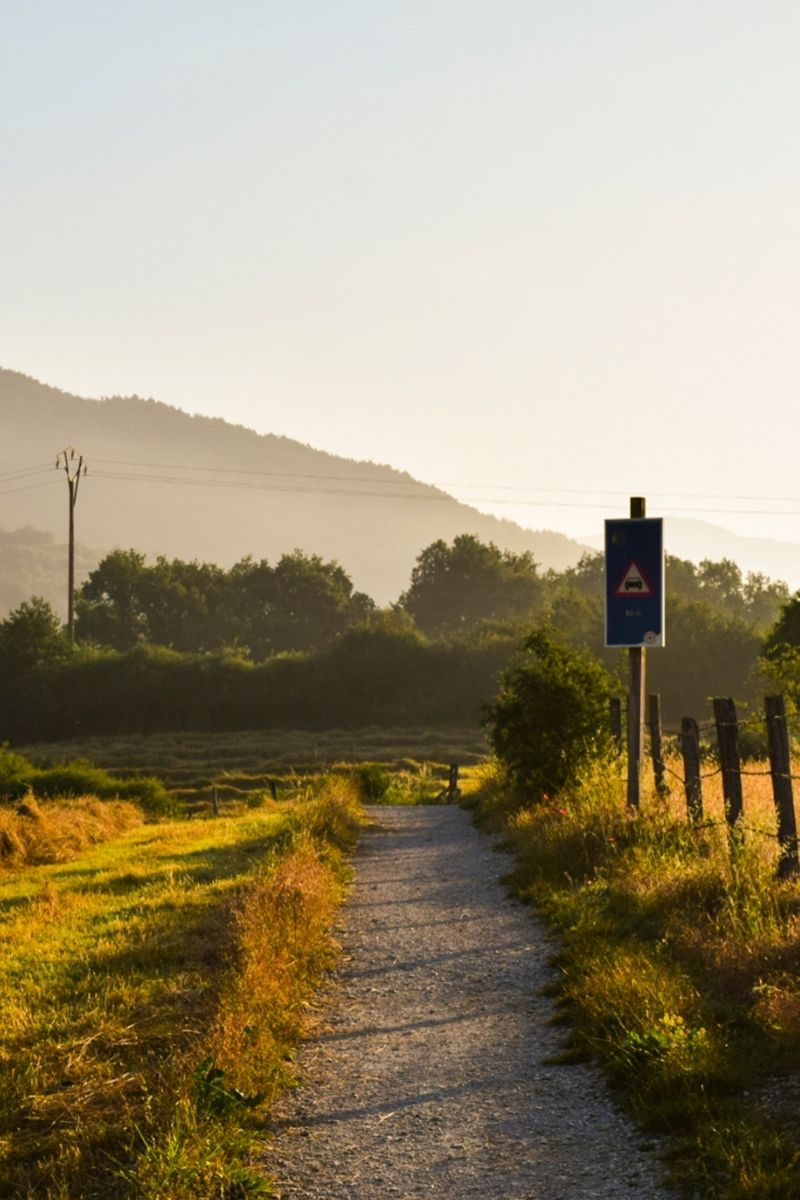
[679,966]
[150,991]
[38,832]
[283,945]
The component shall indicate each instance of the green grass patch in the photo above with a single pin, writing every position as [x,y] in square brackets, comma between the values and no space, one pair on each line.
[151,992]
[19,777]
[677,971]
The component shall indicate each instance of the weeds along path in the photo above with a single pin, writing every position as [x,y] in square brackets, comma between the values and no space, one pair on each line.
[430,1074]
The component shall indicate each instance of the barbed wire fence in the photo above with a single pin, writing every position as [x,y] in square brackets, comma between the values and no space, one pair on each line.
[697,741]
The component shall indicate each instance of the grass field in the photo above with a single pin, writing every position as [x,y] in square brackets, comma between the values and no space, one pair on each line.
[151,990]
[248,760]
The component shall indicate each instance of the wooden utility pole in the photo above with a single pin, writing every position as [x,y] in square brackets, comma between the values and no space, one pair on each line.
[74,466]
[636,658]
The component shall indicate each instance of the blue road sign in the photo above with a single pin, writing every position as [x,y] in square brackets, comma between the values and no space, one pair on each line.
[635,582]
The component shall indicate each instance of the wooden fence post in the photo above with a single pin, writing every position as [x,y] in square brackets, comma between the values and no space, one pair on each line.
[690,751]
[273,787]
[453,790]
[215,802]
[615,713]
[780,762]
[727,724]
[656,743]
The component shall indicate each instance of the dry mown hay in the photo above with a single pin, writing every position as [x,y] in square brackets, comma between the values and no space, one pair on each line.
[36,833]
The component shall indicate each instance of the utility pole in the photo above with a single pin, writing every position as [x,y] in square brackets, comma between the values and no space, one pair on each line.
[73,466]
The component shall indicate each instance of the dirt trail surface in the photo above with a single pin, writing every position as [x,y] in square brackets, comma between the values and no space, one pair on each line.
[429,1077]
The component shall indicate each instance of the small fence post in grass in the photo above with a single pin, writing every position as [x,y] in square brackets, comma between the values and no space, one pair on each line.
[215,802]
[656,742]
[690,751]
[453,790]
[615,714]
[727,724]
[273,787]
[780,763]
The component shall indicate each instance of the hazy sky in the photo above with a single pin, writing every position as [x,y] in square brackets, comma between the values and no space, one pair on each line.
[509,244]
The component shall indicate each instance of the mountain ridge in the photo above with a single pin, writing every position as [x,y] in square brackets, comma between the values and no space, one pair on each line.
[158,475]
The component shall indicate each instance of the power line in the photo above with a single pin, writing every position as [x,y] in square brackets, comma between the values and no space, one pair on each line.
[546,496]
[278,474]
[22,472]
[30,487]
[385,479]
[236,485]
[244,485]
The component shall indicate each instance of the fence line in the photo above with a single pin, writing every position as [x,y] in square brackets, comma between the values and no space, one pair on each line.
[726,725]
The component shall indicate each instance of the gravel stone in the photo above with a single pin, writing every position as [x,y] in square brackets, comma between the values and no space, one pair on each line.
[429,1074]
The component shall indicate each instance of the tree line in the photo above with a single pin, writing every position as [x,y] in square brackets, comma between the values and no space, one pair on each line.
[175,644]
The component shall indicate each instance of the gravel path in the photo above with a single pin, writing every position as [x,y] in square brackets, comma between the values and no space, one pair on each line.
[429,1077]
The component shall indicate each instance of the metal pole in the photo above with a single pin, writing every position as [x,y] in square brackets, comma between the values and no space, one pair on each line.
[636,688]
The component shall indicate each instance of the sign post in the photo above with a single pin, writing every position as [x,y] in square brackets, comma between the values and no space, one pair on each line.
[635,614]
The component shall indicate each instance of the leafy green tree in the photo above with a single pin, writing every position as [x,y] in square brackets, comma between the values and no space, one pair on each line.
[454,588]
[708,653]
[33,650]
[756,598]
[299,604]
[249,599]
[587,576]
[786,630]
[764,598]
[312,602]
[109,607]
[184,605]
[550,719]
[781,651]
[721,585]
[31,639]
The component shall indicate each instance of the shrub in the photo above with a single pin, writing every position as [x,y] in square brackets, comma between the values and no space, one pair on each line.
[550,720]
[18,777]
[372,781]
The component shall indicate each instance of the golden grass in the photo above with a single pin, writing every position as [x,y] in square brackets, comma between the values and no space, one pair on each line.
[35,832]
[125,1021]
[283,945]
[679,967]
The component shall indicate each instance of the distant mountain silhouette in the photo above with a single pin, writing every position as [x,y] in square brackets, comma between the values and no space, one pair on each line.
[165,482]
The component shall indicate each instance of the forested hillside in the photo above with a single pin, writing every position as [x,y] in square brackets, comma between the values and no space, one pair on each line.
[195,487]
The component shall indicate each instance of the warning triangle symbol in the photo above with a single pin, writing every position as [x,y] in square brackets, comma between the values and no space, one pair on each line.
[634,582]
